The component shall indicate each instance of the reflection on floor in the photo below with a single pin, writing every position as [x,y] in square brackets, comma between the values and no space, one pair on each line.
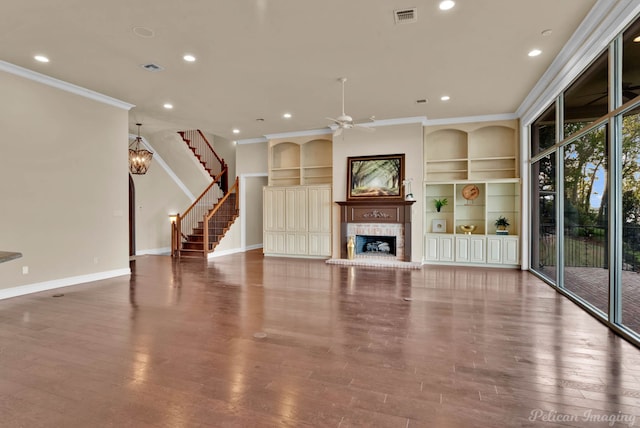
[245,340]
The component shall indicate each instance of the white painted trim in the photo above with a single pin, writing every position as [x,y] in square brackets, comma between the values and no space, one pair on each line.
[158,159]
[62,85]
[59,283]
[253,247]
[166,251]
[225,253]
[397,121]
[243,204]
[308,133]
[252,140]
[471,119]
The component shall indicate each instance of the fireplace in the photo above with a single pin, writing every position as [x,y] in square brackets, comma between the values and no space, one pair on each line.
[375,245]
[386,224]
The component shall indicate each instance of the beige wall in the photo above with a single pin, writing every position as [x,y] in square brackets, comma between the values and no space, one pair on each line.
[394,139]
[156,196]
[63,184]
[250,163]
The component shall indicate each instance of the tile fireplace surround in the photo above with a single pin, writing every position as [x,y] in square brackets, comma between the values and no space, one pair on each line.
[384,218]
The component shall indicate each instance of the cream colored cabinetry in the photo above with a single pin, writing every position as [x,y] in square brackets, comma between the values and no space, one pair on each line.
[503,250]
[439,248]
[495,199]
[300,161]
[470,249]
[474,167]
[297,220]
[473,151]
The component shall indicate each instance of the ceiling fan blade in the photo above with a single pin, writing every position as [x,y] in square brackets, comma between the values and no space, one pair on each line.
[337,132]
[365,120]
[336,121]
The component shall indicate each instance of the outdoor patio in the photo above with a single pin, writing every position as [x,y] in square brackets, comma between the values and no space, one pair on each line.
[592,285]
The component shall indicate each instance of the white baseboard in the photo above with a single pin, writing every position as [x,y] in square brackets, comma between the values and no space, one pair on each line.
[155,252]
[232,251]
[59,283]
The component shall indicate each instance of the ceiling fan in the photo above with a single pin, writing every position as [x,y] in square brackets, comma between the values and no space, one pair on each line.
[344,121]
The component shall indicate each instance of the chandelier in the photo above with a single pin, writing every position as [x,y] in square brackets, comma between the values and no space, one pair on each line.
[139,157]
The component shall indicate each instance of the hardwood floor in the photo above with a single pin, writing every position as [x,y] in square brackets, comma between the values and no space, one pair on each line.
[247,341]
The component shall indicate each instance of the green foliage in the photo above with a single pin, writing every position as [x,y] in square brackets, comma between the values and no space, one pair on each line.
[502,222]
[440,203]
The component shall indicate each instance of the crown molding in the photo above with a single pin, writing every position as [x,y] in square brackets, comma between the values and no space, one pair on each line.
[471,119]
[62,85]
[252,141]
[309,133]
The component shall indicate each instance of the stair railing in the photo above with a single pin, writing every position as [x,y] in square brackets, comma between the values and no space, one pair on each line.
[197,211]
[209,216]
[213,163]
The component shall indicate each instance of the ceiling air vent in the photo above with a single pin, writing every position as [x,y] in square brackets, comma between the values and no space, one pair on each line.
[406,16]
[152,67]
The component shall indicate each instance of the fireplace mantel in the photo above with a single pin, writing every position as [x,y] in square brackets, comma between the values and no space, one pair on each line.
[374,211]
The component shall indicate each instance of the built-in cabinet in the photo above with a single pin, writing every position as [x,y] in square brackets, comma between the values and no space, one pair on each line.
[300,161]
[475,168]
[297,220]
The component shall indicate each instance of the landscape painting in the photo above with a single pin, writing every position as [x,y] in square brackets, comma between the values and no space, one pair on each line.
[374,177]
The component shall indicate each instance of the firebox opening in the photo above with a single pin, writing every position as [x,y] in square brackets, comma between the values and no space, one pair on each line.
[375,245]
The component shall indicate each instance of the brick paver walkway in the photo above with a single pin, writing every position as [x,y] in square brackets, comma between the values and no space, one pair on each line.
[592,285]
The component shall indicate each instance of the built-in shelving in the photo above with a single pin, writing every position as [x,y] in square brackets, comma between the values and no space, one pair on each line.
[485,155]
[300,161]
[477,151]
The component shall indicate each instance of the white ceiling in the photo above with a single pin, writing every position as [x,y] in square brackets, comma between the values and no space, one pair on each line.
[262,58]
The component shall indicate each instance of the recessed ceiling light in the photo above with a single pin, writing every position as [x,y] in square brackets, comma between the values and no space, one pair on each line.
[144,32]
[446,4]
[445,98]
[236,131]
[637,39]
[189,58]
[41,58]
[287,115]
[168,106]
[534,52]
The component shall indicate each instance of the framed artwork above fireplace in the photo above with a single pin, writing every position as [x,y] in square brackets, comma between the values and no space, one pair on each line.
[375,177]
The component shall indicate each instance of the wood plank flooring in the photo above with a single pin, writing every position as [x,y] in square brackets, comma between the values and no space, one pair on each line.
[247,341]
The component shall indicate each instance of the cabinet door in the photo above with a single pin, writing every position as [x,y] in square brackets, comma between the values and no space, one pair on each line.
[510,250]
[296,209]
[445,248]
[494,249]
[320,209]
[274,209]
[463,249]
[296,243]
[274,243]
[320,244]
[476,249]
[431,248]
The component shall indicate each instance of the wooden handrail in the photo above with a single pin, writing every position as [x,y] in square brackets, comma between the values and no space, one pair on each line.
[214,152]
[215,180]
[208,217]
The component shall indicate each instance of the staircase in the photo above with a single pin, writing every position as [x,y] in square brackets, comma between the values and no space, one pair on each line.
[221,221]
[197,232]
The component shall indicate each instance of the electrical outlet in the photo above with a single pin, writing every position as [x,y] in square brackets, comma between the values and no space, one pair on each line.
[25,270]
